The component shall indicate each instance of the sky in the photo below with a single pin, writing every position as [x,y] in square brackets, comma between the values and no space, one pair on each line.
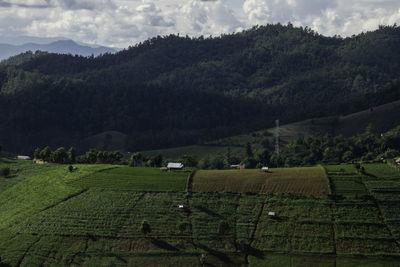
[121,23]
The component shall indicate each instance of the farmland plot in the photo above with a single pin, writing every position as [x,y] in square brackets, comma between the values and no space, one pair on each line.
[138,178]
[359,227]
[305,181]
[382,171]
[387,193]
[300,225]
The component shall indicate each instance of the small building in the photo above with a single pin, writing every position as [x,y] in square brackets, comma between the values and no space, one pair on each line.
[272,214]
[265,169]
[24,157]
[238,166]
[398,161]
[180,206]
[174,166]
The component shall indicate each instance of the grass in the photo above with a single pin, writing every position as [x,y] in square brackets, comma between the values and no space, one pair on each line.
[382,171]
[33,194]
[51,217]
[138,178]
[300,225]
[304,180]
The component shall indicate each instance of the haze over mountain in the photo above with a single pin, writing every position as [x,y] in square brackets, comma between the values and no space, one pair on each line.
[172,90]
[59,47]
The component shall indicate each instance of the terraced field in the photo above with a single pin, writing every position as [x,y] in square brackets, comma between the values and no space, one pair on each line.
[304,180]
[138,178]
[57,218]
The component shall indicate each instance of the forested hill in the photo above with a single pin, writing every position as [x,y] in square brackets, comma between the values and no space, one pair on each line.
[176,90]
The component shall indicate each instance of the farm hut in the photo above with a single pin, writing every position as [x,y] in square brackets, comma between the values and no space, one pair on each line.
[172,166]
[235,166]
[265,169]
[272,214]
[24,157]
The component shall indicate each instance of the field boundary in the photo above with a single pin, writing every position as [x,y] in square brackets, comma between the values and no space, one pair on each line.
[27,250]
[65,199]
[189,184]
[329,181]
[253,234]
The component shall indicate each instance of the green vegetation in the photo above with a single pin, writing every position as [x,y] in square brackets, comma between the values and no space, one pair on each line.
[137,178]
[107,214]
[382,171]
[187,91]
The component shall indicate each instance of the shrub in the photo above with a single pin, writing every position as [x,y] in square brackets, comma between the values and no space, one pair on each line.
[145,227]
[223,227]
[5,172]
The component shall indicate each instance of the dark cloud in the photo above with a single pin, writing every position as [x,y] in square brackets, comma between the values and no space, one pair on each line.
[88,4]
[4,4]
[9,4]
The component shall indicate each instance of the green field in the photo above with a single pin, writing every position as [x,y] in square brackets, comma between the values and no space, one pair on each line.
[51,217]
[304,180]
[138,178]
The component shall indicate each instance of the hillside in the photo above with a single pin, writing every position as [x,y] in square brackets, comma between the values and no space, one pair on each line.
[175,91]
[383,118]
[123,216]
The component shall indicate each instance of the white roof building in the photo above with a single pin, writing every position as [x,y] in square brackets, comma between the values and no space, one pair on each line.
[173,165]
[24,157]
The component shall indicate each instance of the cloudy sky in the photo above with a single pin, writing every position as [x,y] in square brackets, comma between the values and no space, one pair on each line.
[121,23]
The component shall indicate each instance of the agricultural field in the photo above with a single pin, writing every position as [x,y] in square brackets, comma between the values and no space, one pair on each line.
[386,190]
[138,178]
[361,225]
[304,180]
[93,216]
[382,171]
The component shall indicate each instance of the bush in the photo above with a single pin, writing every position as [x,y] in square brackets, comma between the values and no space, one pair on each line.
[250,163]
[5,172]
[223,227]
[145,227]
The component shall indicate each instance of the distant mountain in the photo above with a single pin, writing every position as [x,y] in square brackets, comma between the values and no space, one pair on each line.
[58,47]
[174,91]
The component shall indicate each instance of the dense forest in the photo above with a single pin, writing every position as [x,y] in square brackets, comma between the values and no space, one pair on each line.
[176,90]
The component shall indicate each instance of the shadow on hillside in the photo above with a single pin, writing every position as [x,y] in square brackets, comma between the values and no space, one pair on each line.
[220,255]
[255,252]
[162,244]
[208,211]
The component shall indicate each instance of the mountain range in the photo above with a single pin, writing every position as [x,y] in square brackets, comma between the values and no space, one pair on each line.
[59,47]
[173,90]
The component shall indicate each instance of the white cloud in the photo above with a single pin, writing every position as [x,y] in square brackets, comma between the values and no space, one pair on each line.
[124,22]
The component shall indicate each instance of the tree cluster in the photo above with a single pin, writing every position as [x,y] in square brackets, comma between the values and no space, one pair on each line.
[105,157]
[60,155]
[367,146]
[137,159]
